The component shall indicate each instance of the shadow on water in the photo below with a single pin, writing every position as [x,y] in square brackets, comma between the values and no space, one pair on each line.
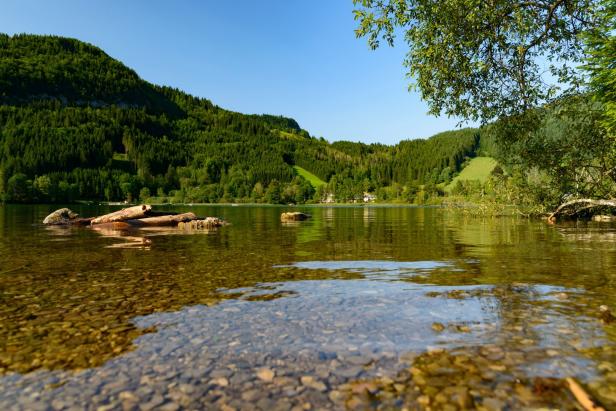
[356,306]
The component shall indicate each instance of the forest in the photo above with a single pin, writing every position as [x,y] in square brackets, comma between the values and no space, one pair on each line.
[78,125]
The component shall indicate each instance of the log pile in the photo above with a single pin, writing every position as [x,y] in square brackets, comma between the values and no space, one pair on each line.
[134,217]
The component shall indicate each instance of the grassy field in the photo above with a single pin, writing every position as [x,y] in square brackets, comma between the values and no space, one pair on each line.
[314,180]
[479,169]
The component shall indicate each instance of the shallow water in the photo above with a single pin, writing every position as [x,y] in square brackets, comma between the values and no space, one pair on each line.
[358,307]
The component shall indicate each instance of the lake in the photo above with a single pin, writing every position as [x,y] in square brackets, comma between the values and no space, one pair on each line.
[358,307]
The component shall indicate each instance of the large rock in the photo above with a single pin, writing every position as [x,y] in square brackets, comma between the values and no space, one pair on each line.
[62,216]
[294,216]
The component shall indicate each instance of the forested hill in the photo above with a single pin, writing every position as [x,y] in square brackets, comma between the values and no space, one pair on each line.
[77,124]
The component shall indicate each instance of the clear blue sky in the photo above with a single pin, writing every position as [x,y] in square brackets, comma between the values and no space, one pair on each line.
[296,58]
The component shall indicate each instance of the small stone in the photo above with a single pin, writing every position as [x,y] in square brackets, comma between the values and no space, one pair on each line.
[222,381]
[350,372]
[423,400]
[154,402]
[354,403]
[605,314]
[364,386]
[250,395]
[335,396]
[438,327]
[170,406]
[359,360]
[265,374]
[310,382]
[493,404]
[128,396]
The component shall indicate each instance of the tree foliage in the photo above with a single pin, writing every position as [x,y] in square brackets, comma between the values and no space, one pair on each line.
[484,59]
[601,63]
[561,149]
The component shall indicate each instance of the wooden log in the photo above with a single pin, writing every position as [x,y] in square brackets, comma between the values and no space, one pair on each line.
[575,207]
[82,221]
[124,214]
[153,213]
[167,220]
[582,396]
[207,223]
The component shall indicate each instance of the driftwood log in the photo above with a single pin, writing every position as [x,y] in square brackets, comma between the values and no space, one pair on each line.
[124,214]
[585,400]
[202,224]
[576,208]
[134,217]
[162,221]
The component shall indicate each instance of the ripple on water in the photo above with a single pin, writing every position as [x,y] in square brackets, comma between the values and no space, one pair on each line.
[377,269]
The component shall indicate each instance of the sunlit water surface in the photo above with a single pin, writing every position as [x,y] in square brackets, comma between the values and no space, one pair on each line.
[357,307]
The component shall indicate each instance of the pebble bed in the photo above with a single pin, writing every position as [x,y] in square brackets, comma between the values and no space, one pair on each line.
[358,344]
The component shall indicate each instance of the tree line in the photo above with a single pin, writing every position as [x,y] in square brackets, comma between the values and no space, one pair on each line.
[76,124]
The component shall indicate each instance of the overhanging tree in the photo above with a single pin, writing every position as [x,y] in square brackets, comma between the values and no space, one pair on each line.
[484,59]
[514,61]
[601,64]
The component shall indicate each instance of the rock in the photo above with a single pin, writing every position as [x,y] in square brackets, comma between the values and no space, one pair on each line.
[62,216]
[335,396]
[311,382]
[348,372]
[221,381]
[493,404]
[438,327]
[294,216]
[265,374]
[606,314]
[562,296]
[154,402]
[251,395]
[423,400]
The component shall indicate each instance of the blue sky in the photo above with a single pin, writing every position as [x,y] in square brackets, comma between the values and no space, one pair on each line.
[295,58]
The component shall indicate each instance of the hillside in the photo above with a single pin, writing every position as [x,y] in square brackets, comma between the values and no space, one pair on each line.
[78,124]
[478,169]
[312,179]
